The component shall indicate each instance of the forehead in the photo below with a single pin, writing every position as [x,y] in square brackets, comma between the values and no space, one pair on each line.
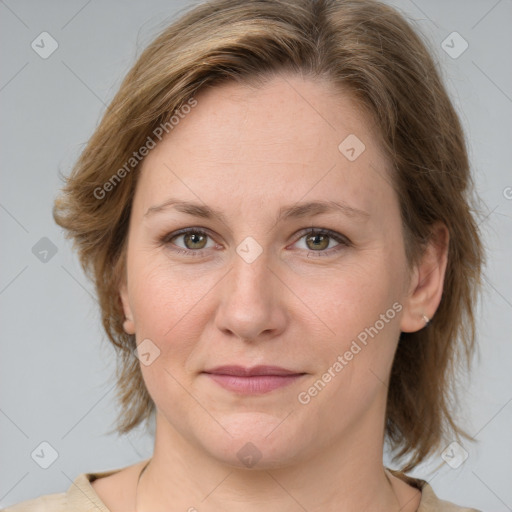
[287,138]
[286,111]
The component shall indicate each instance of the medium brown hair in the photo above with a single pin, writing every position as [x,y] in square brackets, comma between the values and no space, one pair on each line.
[363,47]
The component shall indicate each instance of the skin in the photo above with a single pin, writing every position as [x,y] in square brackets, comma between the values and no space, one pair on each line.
[249,152]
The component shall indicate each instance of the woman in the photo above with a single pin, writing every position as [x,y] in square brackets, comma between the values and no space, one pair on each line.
[274,210]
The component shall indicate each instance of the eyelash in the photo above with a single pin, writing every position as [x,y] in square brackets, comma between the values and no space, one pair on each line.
[342,240]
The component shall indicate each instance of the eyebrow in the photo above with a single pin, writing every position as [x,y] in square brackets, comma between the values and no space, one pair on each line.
[298,210]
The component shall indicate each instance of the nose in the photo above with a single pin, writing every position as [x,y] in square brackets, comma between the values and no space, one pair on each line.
[251,305]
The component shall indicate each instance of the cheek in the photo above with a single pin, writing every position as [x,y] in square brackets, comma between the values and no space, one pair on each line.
[360,307]
[162,302]
[354,298]
[166,312]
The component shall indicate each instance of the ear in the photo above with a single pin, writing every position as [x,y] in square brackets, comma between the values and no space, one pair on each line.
[427,280]
[128,324]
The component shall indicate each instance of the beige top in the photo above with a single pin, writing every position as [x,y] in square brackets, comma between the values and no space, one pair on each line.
[81,497]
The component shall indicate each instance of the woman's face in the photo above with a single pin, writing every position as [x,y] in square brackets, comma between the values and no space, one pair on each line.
[252,174]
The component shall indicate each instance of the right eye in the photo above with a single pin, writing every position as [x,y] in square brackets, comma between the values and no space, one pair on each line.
[194,241]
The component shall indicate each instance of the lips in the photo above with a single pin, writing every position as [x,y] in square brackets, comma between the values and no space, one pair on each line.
[240,371]
[255,380]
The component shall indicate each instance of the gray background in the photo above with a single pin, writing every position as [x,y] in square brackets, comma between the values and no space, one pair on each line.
[56,368]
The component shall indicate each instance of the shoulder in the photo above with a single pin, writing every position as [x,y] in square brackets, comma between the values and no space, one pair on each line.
[429,501]
[82,495]
[96,491]
[49,502]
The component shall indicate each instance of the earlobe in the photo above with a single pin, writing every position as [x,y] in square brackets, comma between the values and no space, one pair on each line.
[427,282]
[128,324]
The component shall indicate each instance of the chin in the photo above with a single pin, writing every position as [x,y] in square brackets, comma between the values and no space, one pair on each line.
[257,441]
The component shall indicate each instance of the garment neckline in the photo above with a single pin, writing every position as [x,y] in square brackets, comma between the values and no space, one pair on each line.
[82,485]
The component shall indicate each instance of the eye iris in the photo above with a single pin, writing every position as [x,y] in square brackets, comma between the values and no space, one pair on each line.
[197,240]
[320,241]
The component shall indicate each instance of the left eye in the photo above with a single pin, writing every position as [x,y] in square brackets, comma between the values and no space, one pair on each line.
[318,240]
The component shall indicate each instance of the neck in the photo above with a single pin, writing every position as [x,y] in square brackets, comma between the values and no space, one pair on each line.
[347,475]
